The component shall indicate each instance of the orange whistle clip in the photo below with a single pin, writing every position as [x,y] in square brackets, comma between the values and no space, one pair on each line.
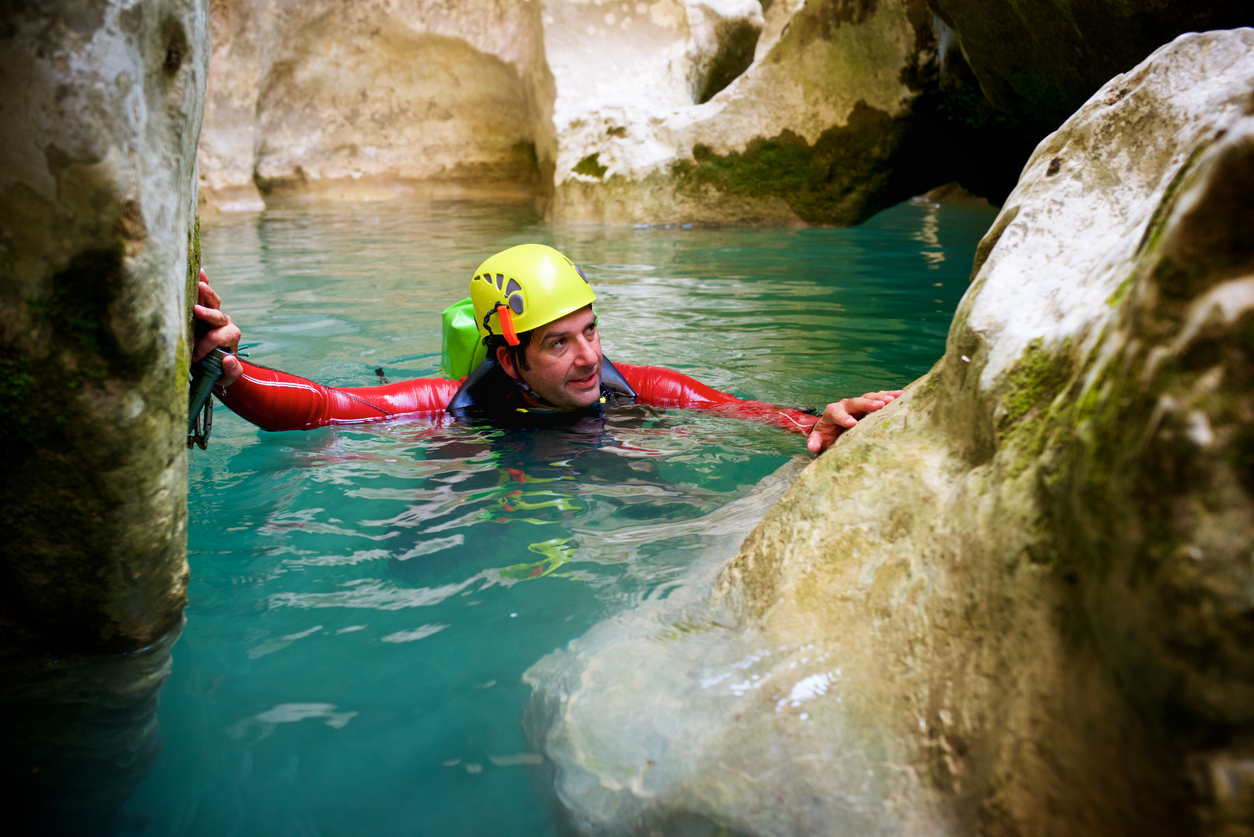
[507,324]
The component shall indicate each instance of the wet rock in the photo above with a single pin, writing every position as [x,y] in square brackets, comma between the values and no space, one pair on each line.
[102,107]
[1019,599]
[309,96]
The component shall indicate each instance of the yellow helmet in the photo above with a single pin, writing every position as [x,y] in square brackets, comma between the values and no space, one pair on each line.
[526,287]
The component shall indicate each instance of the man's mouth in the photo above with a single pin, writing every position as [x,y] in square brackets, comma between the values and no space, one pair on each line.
[586,382]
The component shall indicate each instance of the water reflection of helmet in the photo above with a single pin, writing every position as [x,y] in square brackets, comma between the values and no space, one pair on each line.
[525,287]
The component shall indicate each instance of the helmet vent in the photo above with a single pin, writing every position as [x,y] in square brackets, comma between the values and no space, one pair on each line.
[500,281]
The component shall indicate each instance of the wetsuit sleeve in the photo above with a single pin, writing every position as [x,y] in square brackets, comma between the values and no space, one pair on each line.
[661,387]
[275,400]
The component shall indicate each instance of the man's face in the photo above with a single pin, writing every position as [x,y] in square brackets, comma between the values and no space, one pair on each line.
[565,359]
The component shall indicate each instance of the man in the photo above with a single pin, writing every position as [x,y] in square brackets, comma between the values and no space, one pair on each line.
[533,312]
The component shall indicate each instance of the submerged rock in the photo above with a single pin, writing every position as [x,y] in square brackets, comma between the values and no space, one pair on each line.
[1017,600]
[102,105]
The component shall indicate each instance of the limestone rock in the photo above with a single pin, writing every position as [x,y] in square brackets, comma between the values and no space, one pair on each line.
[102,103]
[1019,599]
[810,132]
[305,95]
[814,111]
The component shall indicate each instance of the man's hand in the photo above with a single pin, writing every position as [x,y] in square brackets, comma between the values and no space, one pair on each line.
[222,332]
[844,414]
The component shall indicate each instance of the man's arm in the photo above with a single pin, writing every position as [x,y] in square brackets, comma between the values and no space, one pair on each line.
[661,387]
[276,400]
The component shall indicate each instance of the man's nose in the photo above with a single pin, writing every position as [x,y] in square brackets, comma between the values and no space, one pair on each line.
[589,351]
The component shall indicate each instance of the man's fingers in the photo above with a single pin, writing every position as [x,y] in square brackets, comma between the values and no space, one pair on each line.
[841,415]
[227,336]
[231,370]
[208,296]
[863,404]
[834,421]
[211,316]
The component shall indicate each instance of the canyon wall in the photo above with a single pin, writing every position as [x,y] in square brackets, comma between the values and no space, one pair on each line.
[355,97]
[97,205]
[1018,599]
[666,111]
[102,106]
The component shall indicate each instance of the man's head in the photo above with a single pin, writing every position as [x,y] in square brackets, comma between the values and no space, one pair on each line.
[533,307]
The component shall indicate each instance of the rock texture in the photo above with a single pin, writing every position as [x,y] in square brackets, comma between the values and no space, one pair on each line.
[664,111]
[1019,599]
[814,111]
[102,104]
[308,95]
[821,127]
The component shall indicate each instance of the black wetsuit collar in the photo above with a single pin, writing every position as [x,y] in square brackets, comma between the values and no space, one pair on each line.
[489,389]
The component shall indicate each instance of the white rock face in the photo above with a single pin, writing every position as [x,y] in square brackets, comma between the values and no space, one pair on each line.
[102,106]
[313,94]
[630,111]
[1017,600]
[617,111]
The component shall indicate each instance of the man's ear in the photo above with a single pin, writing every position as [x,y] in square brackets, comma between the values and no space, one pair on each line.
[506,360]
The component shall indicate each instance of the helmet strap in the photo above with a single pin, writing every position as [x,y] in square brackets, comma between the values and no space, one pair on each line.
[506,316]
[526,389]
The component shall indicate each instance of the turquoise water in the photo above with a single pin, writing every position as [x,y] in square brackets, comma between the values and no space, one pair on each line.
[364,600]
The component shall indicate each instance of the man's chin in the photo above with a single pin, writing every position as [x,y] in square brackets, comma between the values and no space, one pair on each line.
[582,397]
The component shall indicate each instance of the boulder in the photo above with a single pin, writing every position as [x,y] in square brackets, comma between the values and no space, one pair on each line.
[1019,599]
[357,97]
[103,104]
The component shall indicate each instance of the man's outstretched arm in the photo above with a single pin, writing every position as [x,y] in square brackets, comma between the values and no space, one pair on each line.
[662,387]
[275,400]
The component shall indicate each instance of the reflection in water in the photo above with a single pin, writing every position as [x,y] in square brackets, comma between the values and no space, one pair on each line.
[79,738]
[929,235]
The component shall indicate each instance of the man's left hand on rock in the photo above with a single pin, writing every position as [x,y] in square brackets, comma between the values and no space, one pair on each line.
[222,332]
[844,414]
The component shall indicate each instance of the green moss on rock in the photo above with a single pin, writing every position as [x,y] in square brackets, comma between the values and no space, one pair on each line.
[192,295]
[590,166]
[840,179]
[1034,381]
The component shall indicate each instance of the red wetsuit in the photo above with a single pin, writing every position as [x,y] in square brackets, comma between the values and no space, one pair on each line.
[275,400]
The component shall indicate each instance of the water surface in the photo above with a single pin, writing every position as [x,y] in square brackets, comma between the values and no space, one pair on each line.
[364,600]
